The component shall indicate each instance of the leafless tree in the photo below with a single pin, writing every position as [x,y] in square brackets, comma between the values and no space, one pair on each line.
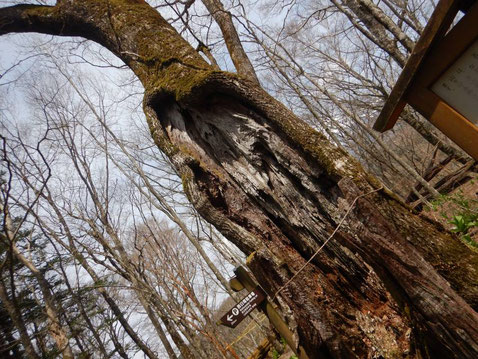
[344,254]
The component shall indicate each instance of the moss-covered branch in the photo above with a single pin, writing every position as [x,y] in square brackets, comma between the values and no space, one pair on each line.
[30,18]
[131,29]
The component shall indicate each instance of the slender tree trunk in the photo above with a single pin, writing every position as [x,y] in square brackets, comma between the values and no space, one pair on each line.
[128,329]
[371,28]
[118,314]
[83,312]
[172,329]
[55,327]
[40,338]
[387,282]
[16,317]
[159,330]
[84,263]
[136,284]
[234,46]
[384,22]
[118,347]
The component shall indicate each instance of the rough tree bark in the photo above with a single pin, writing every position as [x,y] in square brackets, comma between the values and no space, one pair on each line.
[389,283]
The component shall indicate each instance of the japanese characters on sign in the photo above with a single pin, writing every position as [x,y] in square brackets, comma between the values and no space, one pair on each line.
[242,309]
[458,86]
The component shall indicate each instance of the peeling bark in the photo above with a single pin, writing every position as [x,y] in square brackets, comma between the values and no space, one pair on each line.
[388,284]
[274,201]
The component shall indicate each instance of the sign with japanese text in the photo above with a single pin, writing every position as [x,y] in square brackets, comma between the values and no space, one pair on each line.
[242,309]
[458,86]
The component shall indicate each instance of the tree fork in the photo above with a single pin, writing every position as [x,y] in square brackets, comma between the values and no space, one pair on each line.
[389,283]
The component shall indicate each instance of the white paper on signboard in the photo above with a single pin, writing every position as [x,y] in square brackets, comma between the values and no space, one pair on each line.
[458,86]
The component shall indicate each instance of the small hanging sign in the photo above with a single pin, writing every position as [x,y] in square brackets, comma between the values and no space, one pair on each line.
[242,309]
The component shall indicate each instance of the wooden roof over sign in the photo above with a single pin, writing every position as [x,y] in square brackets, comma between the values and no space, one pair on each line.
[440,78]
[435,30]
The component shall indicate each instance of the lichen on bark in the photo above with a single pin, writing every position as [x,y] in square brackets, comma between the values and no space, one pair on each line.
[276,187]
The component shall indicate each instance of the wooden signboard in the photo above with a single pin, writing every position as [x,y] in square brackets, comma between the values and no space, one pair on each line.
[440,79]
[233,317]
[242,309]
[458,86]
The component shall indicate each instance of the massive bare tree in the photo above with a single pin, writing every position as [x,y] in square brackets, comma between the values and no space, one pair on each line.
[387,283]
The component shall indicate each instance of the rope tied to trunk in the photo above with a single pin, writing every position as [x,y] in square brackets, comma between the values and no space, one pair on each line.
[352,205]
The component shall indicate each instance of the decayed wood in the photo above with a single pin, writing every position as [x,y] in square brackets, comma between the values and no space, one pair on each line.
[390,283]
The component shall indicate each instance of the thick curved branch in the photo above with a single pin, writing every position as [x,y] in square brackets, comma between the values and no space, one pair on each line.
[132,30]
[30,18]
[277,188]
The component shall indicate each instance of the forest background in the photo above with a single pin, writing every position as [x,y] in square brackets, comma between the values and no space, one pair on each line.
[101,253]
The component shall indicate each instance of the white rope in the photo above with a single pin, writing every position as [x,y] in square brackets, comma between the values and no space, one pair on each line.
[327,240]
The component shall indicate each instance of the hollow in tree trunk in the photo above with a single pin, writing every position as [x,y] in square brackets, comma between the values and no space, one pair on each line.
[389,283]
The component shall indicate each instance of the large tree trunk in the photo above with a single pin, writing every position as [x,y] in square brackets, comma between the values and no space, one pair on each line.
[389,282]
